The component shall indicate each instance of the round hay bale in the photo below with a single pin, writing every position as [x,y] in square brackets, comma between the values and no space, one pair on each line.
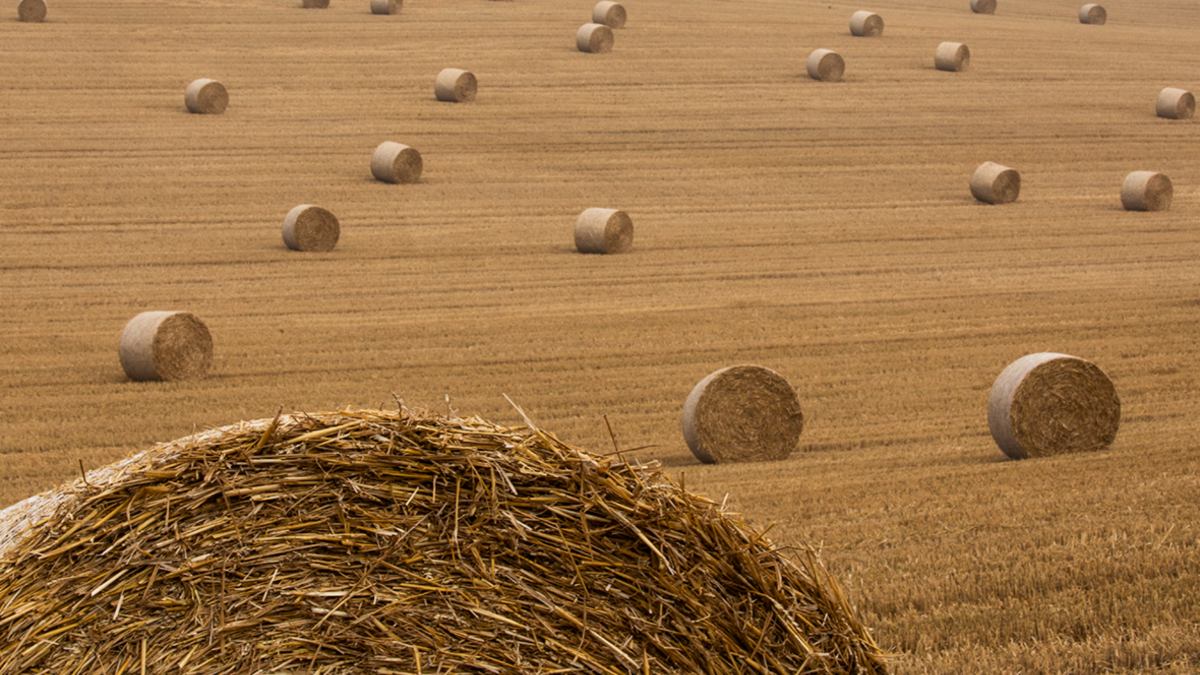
[983,6]
[206,97]
[1146,191]
[455,85]
[315,4]
[310,228]
[396,163]
[165,346]
[33,11]
[1093,14]
[995,184]
[866,24]
[825,65]
[609,13]
[952,56]
[742,414]
[594,38]
[1176,104]
[386,6]
[603,231]
[1052,404]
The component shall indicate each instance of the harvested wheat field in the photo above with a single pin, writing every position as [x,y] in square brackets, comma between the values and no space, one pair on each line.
[823,230]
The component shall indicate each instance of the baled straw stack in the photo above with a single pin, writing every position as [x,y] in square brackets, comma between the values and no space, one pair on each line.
[1175,104]
[315,4]
[1052,404]
[1093,14]
[386,6]
[952,56]
[603,231]
[594,38]
[310,228]
[1146,191]
[825,65]
[401,542]
[396,163]
[983,6]
[33,11]
[206,97]
[455,85]
[165,346]
[866,24]
[742,414]
[609,13]
[995,183]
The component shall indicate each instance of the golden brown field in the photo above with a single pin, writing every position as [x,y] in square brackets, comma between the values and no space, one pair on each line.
[824,230]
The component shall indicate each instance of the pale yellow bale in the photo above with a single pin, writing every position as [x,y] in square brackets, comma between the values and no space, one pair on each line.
[315,4]
[1176,104]
[206,97]
[741,414]
[600,230]
[386,6]
[825,65]
[866,24]
[1146,191]
[594,38]
[310,228]
[953,57]
[396,163]
[455,85]
[983,6]
[994,183]
[33,11]
[609,13]
[165,346]
[1093,14]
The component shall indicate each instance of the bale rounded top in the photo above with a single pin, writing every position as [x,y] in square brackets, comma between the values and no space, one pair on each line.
[207,97]
[165,345]
[983,6]
[1175,104]
[311,228]
[609,13]
[866,24]
[825,65]
[1146,191]
[594,38]
[33,11]
[455,85]
[1093,14]
[396,163]
[742,413]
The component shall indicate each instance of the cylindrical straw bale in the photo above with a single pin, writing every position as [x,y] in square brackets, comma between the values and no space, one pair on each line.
[1093,14]
[1176,104]
[165,346]
[866,24]
[206,97]
[826,65]
[386,6]
[594,38]
[995,184]
[33,11]
[603,231]
[315,4]
[310,228]
[396,163]
[983,6]
[1051,404]
[609,13]
[952,56]
[455,85]
[742,414]
[1146,191]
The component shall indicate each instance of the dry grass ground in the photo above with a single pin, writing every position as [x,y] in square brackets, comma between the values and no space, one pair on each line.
[823,230]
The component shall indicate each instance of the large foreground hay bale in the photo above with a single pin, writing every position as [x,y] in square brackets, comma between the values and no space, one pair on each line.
[825,65]
[165,346]
[1052,404]
[315,4]
[866,24]
[365,542]
[742,414]
[396,163]
[33,11]
[995,183]
[1175,104]
[609,13]
[952,56]
[386,6]
[1146,191]
[310,228]
[1093,14]
[983,6]
[455,85]
[206,97]
[603,231]
[594,38]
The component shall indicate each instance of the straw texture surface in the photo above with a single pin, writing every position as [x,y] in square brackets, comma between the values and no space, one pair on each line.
[372,542]
[310,228]
[983,6]
[1052,404]
[386,6]
[952,56]
[1092,13]
[455,85]
[32,10]
[1146,191]
[396,163]
[594,38]
[1176,104]
[995,183]
[742,414]
[825,65]
[609,13]
[866,24]
[315,4]
[603,231]
[206,97]
[165,346]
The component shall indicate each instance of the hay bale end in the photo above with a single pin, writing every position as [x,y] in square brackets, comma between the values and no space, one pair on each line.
[165,346]
[594,38]
[1175,104]
[310,228]
[952,56]
[742,413]
[994,183]
[603,231]
[825,65]
[32,11]
[983,6]
[1146,191]
[609,13]
[866,24]
[455,85]
[1093,14]
[206,97]
[386,7]
[396,163]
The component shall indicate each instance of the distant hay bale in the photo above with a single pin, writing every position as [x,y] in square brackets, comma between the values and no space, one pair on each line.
[603,231]
[455,85]
[386,6]
[825,65]
[1146,191]
[310,228]
[609,14]
[206,97]
[1052,404]
[396,163]
[1176,104]
[953,57]
[33,11]
[742,414]
[866,24]
[995,184]
[1092,13]
[165,346]
[594,38]
[315,4]
[983,6]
